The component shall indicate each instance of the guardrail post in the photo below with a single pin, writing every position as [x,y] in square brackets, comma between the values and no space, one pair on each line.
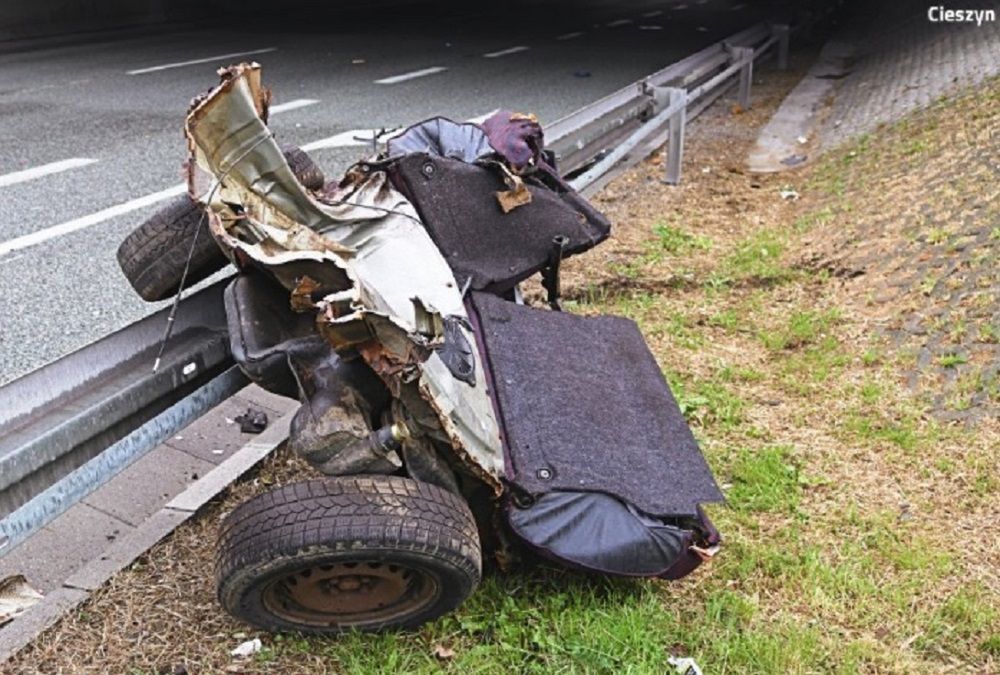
[781,31]
[744,55]
[675,140]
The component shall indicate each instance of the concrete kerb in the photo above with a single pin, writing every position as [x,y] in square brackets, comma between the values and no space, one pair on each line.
[77,588]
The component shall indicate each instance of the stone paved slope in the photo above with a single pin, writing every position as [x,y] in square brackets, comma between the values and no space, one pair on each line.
[912,224]
[905,62]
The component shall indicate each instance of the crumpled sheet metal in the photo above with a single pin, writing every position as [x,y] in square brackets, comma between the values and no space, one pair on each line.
[394,274]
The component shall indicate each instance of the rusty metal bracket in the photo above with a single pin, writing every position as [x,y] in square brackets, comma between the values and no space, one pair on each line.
[550,275]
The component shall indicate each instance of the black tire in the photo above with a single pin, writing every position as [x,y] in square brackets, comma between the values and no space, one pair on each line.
[362,553]
[154,255]
[304,168]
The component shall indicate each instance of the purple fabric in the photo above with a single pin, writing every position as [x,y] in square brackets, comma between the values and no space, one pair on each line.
[520,141]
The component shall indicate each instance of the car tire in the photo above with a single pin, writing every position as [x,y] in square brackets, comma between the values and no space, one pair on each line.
[154,255]
[363,553]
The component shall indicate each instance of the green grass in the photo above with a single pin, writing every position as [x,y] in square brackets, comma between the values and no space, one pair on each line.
[764,479]
[675,241]
[758,259]
[800,329]
[667,240]
[540,621]
[707,402]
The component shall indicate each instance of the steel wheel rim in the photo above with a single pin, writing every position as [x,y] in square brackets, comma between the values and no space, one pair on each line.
[350,593]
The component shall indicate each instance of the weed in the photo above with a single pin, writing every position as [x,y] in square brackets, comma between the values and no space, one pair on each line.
[802,328]
[758,258]
[727,319]
[952,360]
[675,241]
[707,402]
[937,235]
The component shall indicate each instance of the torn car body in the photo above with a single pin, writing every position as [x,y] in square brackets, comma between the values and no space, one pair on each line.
[387,303]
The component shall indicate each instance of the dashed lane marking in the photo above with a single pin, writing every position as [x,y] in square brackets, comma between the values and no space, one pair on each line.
[293,105]
[505,52]
[411,76]
[69,226]
[207,59]
[44,170]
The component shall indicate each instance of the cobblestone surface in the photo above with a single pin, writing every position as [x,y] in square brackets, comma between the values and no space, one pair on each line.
[915,228]
[905,62]
[922,246]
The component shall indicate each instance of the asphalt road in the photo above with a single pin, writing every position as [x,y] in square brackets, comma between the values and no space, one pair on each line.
[87,130]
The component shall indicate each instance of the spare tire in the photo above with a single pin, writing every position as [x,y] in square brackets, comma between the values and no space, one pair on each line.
[154,255]
[349,553]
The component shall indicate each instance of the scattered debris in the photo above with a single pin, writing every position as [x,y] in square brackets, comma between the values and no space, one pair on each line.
[252,421]
[16,596]
[789,194]
[802,140]
[357,62]
[793,160]
[684,665]
[442,653]
[247,649]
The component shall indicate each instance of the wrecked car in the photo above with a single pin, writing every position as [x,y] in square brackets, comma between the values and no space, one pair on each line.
[449,421]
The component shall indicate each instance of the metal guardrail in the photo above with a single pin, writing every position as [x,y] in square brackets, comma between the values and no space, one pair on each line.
[58,423]
[70,426]
[592,140]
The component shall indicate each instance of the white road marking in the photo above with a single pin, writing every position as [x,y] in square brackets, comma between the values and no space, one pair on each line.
[479,119]
[569,36]
[680,6]
[353,138]
[651,27]
[44,170]
[650,15]
[411,76]
[207,59]
[356,138]
[619,22]
[293,105]
[87,221]
[505,52]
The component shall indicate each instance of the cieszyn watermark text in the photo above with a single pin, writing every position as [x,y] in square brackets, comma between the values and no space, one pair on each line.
[942,14]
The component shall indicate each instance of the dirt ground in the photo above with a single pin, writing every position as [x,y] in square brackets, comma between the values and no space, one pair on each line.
[862,529]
